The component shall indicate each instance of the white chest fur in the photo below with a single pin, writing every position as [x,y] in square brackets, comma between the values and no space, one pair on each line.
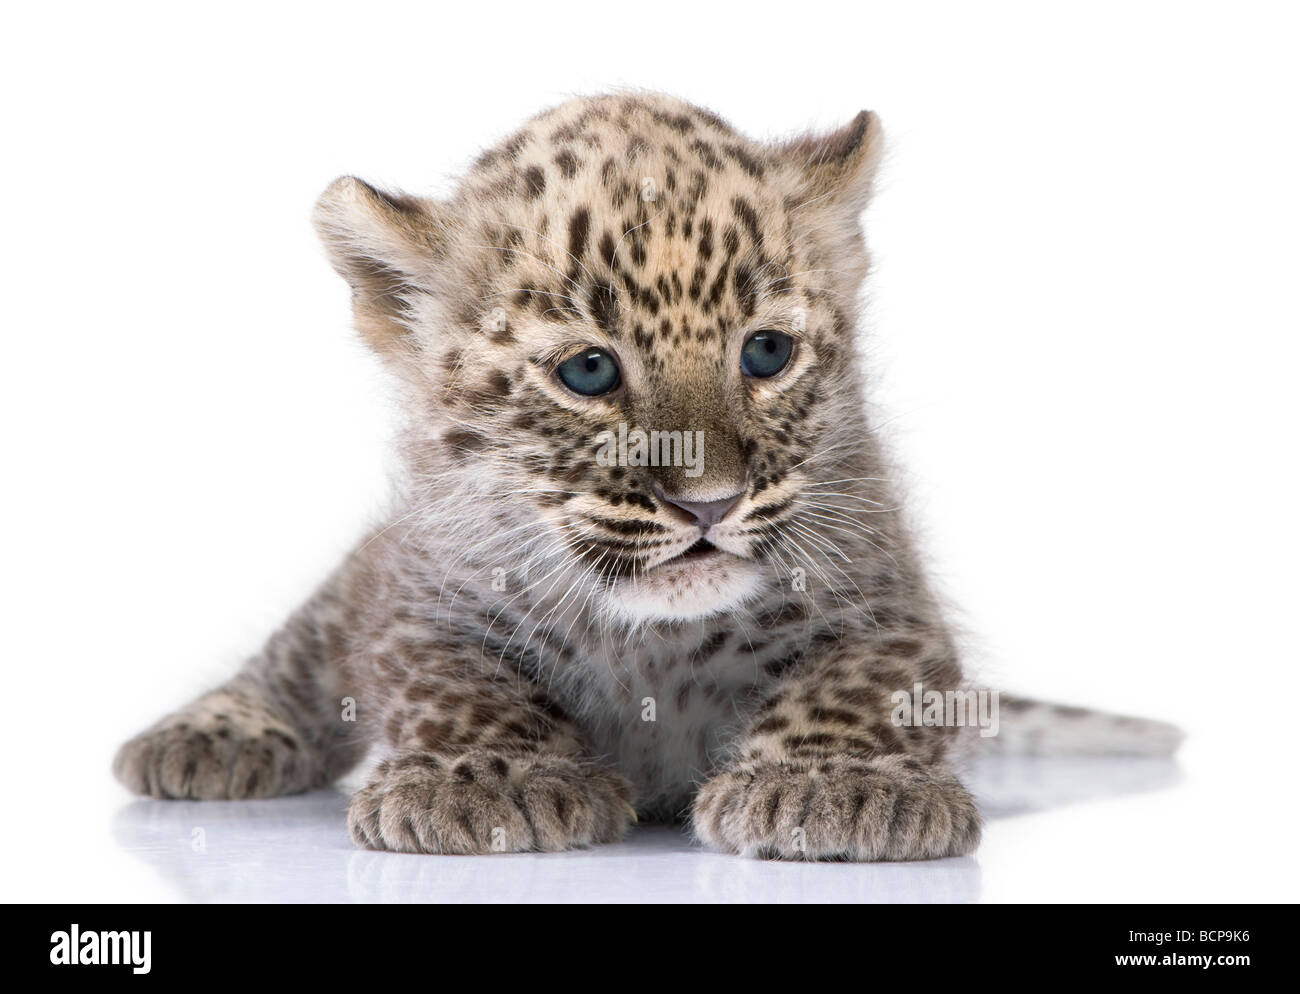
[665,712]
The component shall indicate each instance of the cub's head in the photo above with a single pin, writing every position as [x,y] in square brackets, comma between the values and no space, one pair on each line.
[627,346]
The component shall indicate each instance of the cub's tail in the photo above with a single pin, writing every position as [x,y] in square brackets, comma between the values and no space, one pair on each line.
[1028,727]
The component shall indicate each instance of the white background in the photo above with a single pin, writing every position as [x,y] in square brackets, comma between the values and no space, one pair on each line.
[1083,324]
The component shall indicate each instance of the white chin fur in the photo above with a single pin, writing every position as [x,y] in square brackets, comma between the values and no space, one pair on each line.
[684,591]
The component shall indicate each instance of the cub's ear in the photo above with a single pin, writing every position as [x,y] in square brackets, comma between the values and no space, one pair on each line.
[386,246]
[839,167]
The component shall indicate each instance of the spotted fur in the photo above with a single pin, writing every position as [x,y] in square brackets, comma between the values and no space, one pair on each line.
[525,636]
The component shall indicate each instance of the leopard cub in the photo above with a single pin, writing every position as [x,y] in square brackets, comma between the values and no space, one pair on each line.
[644,560]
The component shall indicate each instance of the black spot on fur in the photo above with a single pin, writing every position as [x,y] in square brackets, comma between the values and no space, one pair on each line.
[534,182]
[746,161]
[579,225]
[706,239]
[568,164]
[602,305]
[749,219]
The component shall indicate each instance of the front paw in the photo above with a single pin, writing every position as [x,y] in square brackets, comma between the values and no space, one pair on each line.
[483,802]
[207,754]
[888,808]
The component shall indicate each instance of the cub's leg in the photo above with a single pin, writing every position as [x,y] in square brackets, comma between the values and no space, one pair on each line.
[276,728]
[483,762]
[822,773]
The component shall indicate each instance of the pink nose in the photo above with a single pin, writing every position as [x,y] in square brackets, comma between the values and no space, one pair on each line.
[703,512]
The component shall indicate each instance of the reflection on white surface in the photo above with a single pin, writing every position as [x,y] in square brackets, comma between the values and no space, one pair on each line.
[1017,785]
[296,849]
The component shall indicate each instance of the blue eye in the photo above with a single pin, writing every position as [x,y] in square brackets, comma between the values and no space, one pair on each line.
[591,373]
[766,353]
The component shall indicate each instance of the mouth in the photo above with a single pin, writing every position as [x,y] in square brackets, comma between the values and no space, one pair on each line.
[700,581]
[700,550]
